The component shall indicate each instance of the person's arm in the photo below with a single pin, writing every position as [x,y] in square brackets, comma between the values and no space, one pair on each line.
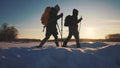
[59,16]
[79,20]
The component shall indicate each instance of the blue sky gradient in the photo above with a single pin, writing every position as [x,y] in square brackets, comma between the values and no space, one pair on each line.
[100,17]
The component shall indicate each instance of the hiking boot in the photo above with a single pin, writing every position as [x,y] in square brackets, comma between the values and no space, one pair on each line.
[57,45]
[63,45]
[38,46]
[78,46]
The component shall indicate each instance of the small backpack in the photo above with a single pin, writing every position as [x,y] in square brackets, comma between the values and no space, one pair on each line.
[68,20]
[45,16]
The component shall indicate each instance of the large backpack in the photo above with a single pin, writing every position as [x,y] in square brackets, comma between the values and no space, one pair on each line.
[68,20]
[45,16]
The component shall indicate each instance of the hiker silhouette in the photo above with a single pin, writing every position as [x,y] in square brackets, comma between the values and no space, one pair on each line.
[72,23]
[51,26]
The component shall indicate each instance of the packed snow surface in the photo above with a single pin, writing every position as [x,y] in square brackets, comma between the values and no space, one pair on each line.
[90,55]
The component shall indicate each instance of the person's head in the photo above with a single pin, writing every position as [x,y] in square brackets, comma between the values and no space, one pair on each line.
[75,12]
[57,8]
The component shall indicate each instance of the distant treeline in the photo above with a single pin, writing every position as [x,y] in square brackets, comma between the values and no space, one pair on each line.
[113,37]
[28,40]
[81,40]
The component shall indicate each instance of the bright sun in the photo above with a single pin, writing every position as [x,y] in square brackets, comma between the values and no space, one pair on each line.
[90,32]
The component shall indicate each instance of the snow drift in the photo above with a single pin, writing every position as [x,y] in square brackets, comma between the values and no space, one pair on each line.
[94,55]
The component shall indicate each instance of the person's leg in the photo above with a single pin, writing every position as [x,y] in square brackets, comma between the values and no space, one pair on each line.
[76,35]
[67,39]
[56,40]
[44,40]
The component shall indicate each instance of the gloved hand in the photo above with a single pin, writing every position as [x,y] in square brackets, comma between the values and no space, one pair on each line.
[81,18]
[61,15]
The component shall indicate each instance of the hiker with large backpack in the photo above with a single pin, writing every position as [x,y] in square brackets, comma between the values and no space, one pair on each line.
[72,23]
[49,20]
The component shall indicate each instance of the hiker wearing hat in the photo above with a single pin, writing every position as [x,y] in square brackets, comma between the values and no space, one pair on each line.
[51,28]
[73,27]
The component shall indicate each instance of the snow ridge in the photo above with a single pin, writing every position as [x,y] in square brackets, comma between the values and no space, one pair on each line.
[95,55]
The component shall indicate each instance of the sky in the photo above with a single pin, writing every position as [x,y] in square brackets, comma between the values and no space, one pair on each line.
[100,17]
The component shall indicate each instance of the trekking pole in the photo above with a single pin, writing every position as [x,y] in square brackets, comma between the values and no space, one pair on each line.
[80,24]
[61,29]
[79,28]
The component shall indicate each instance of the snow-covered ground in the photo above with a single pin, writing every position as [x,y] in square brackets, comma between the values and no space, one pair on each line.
[91,55]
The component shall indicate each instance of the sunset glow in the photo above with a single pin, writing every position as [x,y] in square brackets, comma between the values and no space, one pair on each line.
[100,17]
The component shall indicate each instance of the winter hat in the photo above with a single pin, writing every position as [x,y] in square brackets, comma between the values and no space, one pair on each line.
[75,11]
[57,7]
